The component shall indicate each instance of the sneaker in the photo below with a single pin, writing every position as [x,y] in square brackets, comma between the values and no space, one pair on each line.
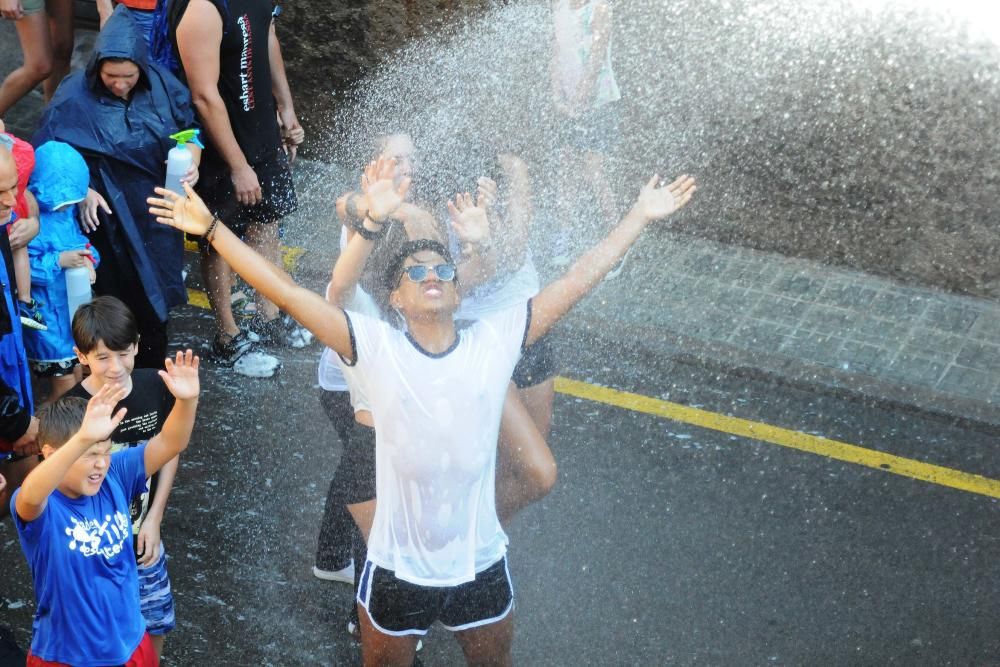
[242,355]
[282,331]
[243,304]
[618,267]
[344,575]
[560,250]
[31,316]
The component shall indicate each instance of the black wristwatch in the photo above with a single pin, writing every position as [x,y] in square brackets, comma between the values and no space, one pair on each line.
[367,234]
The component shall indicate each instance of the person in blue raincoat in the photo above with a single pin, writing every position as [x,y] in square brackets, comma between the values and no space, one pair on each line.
[59,182]
[119,114]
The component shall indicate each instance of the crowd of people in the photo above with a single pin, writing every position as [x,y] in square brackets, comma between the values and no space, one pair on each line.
[437,369]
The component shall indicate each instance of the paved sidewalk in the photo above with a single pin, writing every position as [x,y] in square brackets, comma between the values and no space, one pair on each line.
[811,323]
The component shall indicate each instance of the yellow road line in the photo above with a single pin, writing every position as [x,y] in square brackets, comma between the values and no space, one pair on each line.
[841,451]
[776,435]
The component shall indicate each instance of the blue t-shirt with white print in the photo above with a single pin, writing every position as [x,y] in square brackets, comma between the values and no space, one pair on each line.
[83,567]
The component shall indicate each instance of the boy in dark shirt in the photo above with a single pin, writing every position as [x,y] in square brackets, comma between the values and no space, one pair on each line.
[107,337]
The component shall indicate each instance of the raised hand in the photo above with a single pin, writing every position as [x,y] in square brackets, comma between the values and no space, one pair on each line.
[380,190]
[101,420]
[469,220]
[188,214]
[657,200]
[181,376]
[486,192]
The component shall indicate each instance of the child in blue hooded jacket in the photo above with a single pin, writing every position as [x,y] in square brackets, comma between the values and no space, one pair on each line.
[59,182]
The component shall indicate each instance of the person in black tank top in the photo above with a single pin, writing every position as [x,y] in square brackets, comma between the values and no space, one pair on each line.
[244,103]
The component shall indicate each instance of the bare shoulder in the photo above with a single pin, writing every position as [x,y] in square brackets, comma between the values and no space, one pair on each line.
[201,18]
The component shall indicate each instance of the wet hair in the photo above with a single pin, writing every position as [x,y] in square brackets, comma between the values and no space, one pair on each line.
[408,249]
[59,421]
[117,60]
[104,319]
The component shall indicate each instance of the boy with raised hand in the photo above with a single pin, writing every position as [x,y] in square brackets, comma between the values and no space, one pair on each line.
[436,550]
[72,517]
[106,337]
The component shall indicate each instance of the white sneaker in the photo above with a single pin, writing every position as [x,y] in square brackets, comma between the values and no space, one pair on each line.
[344,575]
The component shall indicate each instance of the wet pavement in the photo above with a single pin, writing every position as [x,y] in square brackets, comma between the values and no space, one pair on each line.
[663,543]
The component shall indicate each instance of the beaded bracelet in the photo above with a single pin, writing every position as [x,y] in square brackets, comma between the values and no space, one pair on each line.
[210,232]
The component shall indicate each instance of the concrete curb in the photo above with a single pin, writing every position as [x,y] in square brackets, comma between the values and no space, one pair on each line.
[787,371]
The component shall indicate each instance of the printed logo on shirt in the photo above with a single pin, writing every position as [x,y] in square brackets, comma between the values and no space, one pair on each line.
[91,538]
[246,64]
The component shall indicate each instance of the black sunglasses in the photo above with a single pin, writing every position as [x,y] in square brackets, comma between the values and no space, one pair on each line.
[418,272]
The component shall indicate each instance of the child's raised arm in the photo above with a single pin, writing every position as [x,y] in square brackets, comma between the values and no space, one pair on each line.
[99,423]
[656,200]
[189,214]
[181,378]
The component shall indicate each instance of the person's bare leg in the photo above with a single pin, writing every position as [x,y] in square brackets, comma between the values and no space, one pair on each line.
[596,174]
[526,470]
[218,278]
[61,28]
[489,645]
[22,274]
[264,239]
[157,642]
[537,400]
[63,383]
[363,515]
[14,473]
[36,47]
[381,650]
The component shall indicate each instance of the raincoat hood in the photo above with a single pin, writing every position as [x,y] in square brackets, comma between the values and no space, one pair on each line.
[119,38]
[60,177]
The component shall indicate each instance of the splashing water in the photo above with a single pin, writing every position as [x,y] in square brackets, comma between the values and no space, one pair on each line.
[847,131]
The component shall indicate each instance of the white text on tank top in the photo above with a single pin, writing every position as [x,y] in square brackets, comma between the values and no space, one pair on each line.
[436,422]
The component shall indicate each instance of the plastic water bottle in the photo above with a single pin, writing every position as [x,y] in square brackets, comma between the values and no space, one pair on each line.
[77,288]
[180,159]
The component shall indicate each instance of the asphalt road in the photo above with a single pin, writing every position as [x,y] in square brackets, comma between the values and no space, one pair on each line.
[663,543]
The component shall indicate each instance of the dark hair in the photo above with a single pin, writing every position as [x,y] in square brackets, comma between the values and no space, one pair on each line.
[117,60]
[104,319]
[58,421]
[409,249]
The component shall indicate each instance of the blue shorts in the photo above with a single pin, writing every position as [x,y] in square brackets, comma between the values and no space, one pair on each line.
[399,608]
[155,599]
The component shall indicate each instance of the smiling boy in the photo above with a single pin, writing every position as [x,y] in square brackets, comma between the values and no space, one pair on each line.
[106,335]
[72,518]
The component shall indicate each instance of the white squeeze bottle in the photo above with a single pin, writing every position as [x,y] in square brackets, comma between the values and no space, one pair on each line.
[77,287]
[180,159]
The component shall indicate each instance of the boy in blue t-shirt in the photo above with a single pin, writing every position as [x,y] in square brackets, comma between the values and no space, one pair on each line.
[72,517]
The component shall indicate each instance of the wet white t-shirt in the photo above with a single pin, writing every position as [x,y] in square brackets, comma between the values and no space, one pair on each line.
[437,419]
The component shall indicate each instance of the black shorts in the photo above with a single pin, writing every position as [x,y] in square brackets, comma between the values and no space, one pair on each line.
[397,607]
[277,191]
[354,480]
[538,363]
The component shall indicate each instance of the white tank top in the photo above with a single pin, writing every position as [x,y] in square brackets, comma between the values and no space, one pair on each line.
[574,35]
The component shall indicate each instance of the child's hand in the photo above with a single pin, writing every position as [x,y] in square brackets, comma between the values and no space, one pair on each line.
[188,214]
[88,210]
[100,421]
[657,200]
[379,188]
[181,376]
[469,221]
[71,259]
[486,192]
[147,543]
